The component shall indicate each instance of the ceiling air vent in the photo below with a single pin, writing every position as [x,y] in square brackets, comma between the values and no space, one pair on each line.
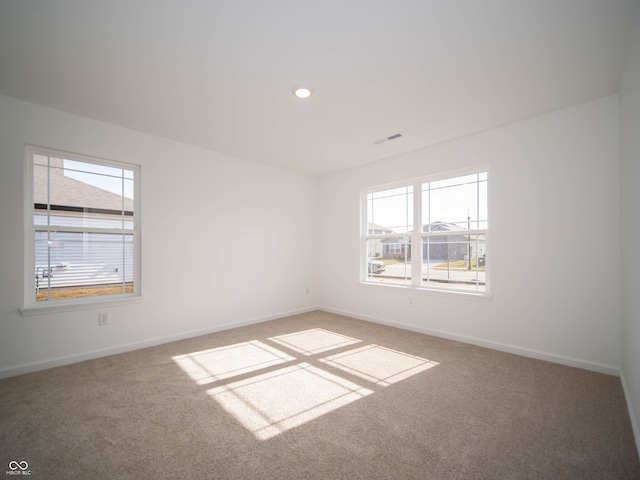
[386,139]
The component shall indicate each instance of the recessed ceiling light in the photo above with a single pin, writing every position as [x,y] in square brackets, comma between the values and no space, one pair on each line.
[302,91]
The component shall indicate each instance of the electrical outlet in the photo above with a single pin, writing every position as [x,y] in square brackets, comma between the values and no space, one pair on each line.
[103,319]
[410,302]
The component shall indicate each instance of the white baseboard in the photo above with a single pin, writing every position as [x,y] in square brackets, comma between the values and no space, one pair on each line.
[12,371]
[525,352]
[79,357]
[634,421]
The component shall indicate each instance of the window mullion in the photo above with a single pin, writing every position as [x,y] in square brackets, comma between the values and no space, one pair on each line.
[416,247]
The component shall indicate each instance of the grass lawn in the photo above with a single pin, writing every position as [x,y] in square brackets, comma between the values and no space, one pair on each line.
[458,265]
[390,261]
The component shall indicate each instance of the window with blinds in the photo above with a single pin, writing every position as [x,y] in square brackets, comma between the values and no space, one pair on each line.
[84,231]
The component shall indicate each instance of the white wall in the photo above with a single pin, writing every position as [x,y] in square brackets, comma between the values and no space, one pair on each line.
[239,237]
[630,155]
[554,191]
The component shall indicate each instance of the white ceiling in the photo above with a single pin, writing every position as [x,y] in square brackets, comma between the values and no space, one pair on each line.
[218,73]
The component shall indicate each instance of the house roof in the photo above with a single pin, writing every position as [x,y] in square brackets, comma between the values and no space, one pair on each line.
[374,227]
[436,226]
[219,74]
[439,226]
[68,192]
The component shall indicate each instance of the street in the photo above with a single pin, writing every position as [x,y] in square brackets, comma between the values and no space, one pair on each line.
[401,270]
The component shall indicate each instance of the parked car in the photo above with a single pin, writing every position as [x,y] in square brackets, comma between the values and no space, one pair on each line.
[375,266]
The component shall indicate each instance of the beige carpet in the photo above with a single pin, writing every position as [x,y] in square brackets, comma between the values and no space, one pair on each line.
[316,396]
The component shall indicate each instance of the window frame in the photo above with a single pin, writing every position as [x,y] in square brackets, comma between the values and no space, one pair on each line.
[416,236]
[30,305]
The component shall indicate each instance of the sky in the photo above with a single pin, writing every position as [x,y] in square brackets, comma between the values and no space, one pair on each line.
[450,200]
[107,178]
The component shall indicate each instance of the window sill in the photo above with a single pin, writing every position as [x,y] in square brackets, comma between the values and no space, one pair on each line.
[476,296]
[59,306]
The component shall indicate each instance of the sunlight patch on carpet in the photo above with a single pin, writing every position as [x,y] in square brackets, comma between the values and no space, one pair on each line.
[272,385]
[379,365]
[229,361]
[314,341]
[274,402]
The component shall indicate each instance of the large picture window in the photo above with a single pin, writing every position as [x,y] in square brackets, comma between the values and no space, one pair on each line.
[83,227]
[428,233]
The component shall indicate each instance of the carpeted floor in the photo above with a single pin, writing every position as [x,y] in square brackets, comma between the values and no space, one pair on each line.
[316,396]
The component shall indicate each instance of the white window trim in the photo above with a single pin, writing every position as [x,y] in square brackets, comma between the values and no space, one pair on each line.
[433,292]
[30,306]
[416,238]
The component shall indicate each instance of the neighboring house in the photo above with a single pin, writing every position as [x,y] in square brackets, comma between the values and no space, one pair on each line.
[445,247]
[448,247]
[64,259]
[374,229]
[375,245]
[396,247]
